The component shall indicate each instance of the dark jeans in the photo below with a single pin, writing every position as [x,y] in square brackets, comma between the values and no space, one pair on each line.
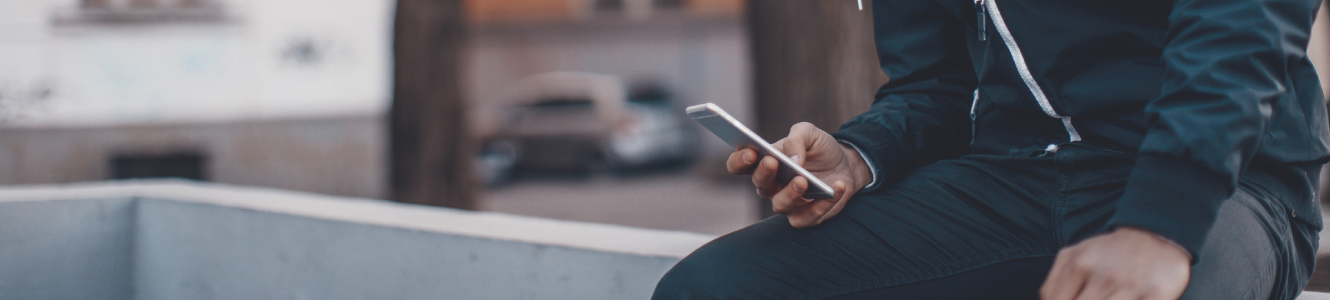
[986,227]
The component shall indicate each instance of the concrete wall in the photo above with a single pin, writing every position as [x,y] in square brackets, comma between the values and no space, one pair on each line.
[70,249]
[177,240]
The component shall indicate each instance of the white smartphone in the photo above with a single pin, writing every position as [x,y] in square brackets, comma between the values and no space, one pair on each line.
[738,136]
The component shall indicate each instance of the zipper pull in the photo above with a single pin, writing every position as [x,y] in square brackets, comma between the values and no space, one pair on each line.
[981,14]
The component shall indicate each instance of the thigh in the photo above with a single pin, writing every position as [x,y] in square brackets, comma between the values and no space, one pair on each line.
[1021,279]
[939,220]
[1250,253]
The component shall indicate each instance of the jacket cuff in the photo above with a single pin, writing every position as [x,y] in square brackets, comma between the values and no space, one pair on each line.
[867,161]
[1173,199]
[873,142]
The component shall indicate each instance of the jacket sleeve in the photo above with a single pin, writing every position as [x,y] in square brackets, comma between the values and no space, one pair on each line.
[922,114]
[1225,63]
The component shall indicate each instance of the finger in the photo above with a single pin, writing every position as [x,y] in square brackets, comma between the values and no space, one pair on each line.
[801,138]
[812,213]
[764,177]
[791,197]
[1156,295]
[741,162]
[1125,295]
[1054,277]
[825,209]
[1063,283]
[1096,288]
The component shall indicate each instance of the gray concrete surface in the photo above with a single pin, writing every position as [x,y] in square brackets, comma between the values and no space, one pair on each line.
[178,240]
[696,199]
[72,249]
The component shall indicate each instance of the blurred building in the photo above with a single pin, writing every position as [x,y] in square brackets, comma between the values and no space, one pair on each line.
[283,93]
[292,93]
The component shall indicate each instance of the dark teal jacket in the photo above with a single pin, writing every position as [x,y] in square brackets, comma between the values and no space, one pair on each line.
[1210,94]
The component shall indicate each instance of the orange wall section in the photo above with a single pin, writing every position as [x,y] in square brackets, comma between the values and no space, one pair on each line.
[716,7]
[520,10]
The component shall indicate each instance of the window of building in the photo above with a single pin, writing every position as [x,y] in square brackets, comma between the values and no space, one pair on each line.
[146,4]
[102,12]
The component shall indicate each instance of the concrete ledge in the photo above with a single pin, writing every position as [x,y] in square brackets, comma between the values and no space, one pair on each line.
[604,237]
[184,240]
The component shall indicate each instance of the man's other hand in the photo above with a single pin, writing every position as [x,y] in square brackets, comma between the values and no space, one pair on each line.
[1127,263]
[819,153]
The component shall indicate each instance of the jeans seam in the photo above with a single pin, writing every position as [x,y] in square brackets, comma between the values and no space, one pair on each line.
[931,273]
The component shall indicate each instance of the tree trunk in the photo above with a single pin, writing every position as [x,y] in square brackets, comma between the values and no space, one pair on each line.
[813,61]
[431,152]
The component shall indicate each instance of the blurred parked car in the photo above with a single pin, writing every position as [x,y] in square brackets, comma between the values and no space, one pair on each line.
[582,122]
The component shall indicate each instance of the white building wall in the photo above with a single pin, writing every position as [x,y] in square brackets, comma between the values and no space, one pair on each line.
[243,68]
[279,93]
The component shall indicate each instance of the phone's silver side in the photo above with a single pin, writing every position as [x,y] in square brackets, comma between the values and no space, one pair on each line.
[729,129]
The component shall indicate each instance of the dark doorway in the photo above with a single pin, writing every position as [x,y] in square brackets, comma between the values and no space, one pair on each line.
[188,165]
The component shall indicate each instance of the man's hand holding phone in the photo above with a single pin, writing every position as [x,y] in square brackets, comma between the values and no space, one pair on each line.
[819,153]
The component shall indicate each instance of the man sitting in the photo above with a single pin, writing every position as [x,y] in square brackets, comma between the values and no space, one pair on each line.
[1128,149]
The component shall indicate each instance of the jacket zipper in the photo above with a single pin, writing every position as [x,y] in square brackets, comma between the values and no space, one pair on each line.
[980,15]
[982,34]
[991,8]
[974,126]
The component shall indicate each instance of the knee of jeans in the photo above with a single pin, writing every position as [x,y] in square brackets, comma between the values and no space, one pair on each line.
[696,278]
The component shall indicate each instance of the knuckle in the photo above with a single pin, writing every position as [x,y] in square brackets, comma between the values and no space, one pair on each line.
[1083,263]
[1149,288]
[764,194]
[792,193]
[761,177]
[819,212]
[780,205]
[733,168]
[1114,280]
